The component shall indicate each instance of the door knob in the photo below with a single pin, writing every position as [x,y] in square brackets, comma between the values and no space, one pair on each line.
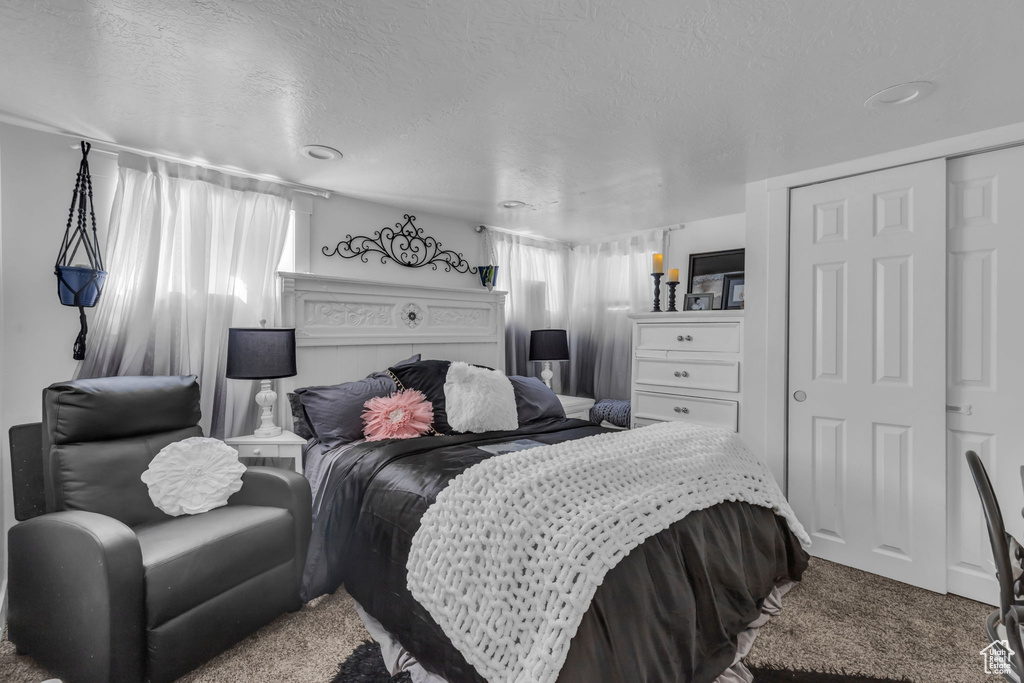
[799,396]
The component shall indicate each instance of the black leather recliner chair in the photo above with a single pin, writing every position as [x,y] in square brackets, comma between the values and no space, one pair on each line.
[105,586]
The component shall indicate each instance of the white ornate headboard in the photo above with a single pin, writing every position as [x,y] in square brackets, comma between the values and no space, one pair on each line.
[345,329]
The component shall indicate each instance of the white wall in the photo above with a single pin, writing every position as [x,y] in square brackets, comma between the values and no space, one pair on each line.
[332,219]
[695,237]
[765,377]
[3,472]
[37,175]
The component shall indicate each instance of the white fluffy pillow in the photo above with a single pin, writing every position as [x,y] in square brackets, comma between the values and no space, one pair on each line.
[193,475]
[479,400]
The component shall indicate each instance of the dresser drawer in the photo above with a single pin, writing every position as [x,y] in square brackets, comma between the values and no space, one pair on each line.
[689,336]
[708,411]
[715,375]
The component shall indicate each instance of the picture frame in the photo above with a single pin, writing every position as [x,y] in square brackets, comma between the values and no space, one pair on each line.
[708,270]
[698,302]
[732,292]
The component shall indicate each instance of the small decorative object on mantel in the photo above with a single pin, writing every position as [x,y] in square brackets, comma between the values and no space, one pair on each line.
[708,272]
[732,291]
[673,282]
[488,273]
[404,244]
[80,284]
[698,302]
[656,266]
[488,276]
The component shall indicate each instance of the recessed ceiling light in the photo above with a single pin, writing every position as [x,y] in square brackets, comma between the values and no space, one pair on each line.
[320,152]
[511,204]
[904,93]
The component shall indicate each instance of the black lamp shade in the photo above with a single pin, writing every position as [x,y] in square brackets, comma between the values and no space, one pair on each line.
[260,353]
[549,345]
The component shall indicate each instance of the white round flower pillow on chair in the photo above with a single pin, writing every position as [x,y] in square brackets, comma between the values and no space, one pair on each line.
[193,475]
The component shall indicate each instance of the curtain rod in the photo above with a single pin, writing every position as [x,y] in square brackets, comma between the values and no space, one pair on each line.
[539,238]
[6,117]
[298,187]
[593,240]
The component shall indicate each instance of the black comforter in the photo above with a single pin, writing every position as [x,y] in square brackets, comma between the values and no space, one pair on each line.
[669,611]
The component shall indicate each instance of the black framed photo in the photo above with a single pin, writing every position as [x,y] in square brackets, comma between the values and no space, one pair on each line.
[708,270]
[698,302]
[733,291]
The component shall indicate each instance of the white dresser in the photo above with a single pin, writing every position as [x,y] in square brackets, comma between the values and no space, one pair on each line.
[687,367]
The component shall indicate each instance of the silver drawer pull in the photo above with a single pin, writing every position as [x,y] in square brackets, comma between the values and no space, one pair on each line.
[681,373]
[256,451]
[682,409]
[682,338]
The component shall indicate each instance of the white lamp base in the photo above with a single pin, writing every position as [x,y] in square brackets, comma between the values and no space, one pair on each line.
[266,400]
[546,374]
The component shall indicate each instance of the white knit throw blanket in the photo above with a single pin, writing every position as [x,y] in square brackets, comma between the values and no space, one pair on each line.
[508,558]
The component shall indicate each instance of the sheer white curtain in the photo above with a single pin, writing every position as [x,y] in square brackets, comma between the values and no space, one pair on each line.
[190,253]
[535,274]
[608,280]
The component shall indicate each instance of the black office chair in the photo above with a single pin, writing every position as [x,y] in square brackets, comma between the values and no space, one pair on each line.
[1010,613]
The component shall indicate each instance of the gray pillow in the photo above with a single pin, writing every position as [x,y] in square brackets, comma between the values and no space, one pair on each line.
[332,421]
[335,412]
[300,423]
[534,401]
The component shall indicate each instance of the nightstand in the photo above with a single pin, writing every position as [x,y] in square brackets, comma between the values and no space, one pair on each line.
[284,445]
[576,406]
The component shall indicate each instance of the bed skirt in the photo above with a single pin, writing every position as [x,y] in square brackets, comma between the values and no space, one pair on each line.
[397,659]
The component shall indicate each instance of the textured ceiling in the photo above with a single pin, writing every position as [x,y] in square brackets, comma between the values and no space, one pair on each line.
[604,116]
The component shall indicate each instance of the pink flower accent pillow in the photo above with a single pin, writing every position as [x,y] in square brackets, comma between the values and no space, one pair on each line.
[403,415]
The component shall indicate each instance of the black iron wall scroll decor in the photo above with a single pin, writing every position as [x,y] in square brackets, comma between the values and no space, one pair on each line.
[404,244]
[80,284]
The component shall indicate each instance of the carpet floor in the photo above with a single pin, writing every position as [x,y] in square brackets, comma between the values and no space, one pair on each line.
[838,618]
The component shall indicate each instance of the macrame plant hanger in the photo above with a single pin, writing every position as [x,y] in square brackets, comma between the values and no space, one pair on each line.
[80,284]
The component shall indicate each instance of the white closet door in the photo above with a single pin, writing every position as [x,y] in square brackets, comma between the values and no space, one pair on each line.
[867,340]
[986,363]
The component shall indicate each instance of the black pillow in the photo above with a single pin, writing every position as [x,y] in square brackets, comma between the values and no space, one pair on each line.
[427,376]
[534,400]
[382,374]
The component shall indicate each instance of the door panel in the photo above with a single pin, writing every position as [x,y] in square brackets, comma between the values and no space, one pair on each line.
[985,372]
[867,346]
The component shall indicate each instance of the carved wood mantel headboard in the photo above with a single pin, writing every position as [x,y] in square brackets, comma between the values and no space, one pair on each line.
[345,329]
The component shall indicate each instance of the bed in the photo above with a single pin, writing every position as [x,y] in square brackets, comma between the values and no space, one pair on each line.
[671,609]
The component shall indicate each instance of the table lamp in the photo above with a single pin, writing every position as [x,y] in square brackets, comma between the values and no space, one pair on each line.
[547,346]
[262,353]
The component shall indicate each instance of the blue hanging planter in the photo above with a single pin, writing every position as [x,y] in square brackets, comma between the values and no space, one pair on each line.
[79,285]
